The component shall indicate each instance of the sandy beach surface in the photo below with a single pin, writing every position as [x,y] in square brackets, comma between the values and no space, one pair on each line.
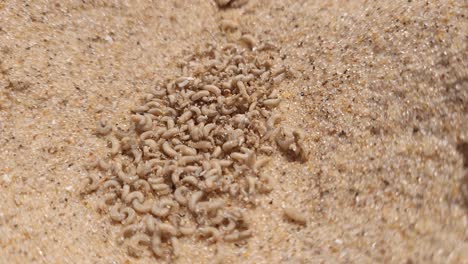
[380,89]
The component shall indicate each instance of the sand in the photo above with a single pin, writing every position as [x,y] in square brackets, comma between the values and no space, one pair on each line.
[379,87]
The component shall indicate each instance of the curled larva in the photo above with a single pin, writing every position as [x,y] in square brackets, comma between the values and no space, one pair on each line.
[211,232]
[115,145]
[142,207]
[134,195]
[136,242]
[168,150]
[193,201]
[208,128]
[125,215]
[237,236]
[164,207]
[90,183]
[295,215]
[190,180]
[111,185]
[181,195]
[103,128]
[212,89]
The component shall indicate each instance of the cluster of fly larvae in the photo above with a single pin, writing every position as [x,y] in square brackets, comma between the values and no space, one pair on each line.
[190,163]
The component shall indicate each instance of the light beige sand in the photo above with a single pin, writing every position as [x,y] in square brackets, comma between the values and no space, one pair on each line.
[381,89]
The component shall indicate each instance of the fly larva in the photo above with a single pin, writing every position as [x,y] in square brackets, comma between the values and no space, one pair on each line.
[164,207]
[211,206]
[211,232]
[261,163]
[109,199]
[149,223]
[210,183]
[279,78]
[194,199]
[240,157]
[208,128]
[134,195]
[142,208]
[230,145]
[181,195]
[115,145]
[272,121]
[175,246]
[212,89]
[295,215]
[170,133]
[170,123]
[136,242]
[203,145]
[187,230]
[199,95]
[137,154]
[168,229]
[112,185]
[156,245]
[249,40]
[186,150]
[103,165]
[271,102]
[90,184]
[189,159]
[216,152]
[225,163]
[192,169]
[125,215]
[125,177]
[103,128]
[168,150]
[243,90]
[143,169]
[184,117]
[125,191]
[161,189]
[190,180]
[209,112]
[238,236]
[175,177]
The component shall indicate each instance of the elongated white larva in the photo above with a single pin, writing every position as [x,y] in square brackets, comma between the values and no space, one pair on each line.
[295,215]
